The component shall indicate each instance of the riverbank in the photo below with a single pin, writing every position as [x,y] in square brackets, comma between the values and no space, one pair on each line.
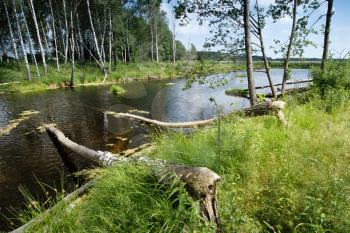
[88,74]
[292,178]
[12,80]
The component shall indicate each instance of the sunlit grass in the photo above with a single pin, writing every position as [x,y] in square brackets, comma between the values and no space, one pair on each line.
[276,178]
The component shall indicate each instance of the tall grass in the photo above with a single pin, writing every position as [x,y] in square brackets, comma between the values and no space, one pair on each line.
[128,199]
[293,179]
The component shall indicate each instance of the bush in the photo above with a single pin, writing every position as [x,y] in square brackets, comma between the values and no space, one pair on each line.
[331,86]
[335,76]
[117,90]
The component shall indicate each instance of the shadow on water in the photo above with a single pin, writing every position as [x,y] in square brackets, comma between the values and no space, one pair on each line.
[28,155]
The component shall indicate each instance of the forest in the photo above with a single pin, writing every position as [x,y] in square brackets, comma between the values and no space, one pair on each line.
[110,122]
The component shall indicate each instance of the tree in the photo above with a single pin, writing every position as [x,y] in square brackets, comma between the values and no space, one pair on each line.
[38,35]
[298,33]
[54,36]
[14,45]
[31,46]
[248,51]
[257,30]
[231,29]
[326,33]
[100,61]
[28,75]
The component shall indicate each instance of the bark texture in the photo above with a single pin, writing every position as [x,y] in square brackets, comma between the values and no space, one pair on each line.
[248,50]
[326,34]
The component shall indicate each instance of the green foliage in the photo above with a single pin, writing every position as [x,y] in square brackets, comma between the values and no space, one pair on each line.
[128,198]
[237,92]
[332,85]
[275,179]
[117,90]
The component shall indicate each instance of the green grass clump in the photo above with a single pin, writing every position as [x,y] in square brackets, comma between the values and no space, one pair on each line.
[237,92]
[117,90]
[276,179]
[128,198]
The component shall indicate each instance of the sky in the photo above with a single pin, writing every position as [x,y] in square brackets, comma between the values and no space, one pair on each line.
[339,37]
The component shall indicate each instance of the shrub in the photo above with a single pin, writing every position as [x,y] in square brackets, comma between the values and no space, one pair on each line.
[117,90]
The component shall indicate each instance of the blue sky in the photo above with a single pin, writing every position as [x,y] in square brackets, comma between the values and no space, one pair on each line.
[340,32]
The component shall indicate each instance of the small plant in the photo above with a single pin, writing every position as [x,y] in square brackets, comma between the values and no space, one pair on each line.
[117,90]
[237,92]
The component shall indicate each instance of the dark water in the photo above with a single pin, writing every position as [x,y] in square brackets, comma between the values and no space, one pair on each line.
[28,155]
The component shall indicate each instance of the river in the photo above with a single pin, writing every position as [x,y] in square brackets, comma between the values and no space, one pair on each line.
[28,157]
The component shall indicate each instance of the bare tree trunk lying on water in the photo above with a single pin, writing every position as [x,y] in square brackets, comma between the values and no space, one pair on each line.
[274,107]
[200,181]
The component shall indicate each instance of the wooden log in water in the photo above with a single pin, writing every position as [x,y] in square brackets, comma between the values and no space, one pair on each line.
[257,110]
[200,181]
[162,124]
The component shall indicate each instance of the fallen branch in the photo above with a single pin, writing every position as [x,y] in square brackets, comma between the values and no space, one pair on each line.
[200,181]
[68,199]
[2,84]
[261,109]
[162,124]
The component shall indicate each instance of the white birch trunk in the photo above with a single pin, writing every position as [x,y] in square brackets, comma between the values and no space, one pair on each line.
[28,75]
[110,40]
[66,46]
[95,39]
[152,40]
[38,35]
[81,42]
[174,38]
[72,49]
[249,58]
[54,36]
[156,37]
[13,41]
[31,46]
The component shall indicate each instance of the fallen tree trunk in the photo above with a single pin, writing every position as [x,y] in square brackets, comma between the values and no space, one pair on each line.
[163,124]
[261,109]
[200,181]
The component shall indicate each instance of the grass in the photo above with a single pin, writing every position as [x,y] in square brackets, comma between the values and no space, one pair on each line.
[275,179]
[293,179]
[237,92]
[127,199]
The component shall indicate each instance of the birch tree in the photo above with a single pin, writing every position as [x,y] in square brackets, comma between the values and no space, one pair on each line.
[31,45]
[66,46]
[38,35]
[326,33]
[257,30]
[28,75]
[248,51]
[100,61]
[54,36]
[13,41]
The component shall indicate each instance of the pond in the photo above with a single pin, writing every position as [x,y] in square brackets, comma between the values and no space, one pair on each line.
[28,157]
